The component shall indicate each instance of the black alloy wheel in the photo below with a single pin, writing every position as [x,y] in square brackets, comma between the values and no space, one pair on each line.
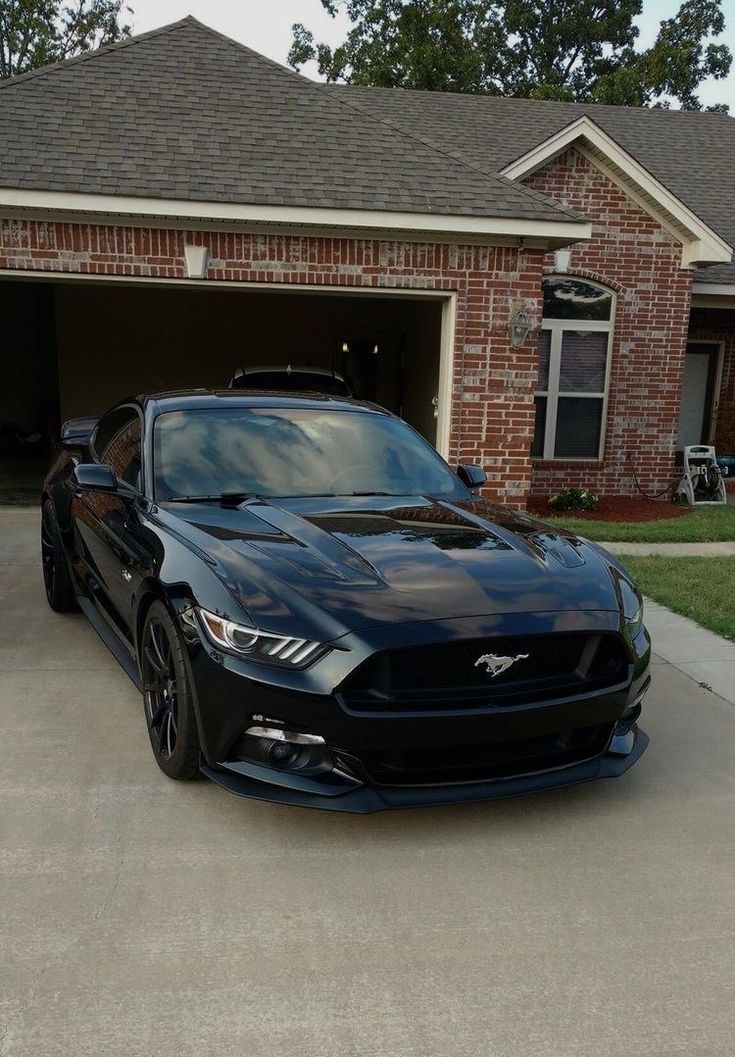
[167,696]
[56,577]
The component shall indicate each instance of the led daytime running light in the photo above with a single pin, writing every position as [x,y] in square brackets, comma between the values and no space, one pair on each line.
[284,651]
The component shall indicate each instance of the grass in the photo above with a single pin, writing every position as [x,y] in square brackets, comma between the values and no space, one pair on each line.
[700,588]
[710,524]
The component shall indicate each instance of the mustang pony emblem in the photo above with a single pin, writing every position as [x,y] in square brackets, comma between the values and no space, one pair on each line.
[497,665]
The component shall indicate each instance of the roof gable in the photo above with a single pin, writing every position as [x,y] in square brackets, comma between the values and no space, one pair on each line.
[690,153]
[699,242]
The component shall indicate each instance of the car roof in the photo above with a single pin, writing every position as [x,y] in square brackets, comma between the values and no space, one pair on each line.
[203,399]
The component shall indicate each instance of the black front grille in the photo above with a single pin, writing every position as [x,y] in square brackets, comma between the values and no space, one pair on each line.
[485,762]
[451,676]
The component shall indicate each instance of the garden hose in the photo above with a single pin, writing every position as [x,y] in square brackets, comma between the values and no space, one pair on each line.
[670,488]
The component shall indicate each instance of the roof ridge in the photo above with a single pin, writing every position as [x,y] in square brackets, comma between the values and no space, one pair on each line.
[510,99]
[250,51]
[92,53]
[494,176]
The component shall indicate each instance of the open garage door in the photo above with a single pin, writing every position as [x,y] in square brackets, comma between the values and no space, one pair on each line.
[74,348]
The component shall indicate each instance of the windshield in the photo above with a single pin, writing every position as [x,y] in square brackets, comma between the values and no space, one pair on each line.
[291,452]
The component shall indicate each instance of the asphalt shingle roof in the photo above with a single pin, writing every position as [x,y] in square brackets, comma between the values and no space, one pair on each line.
[691,152]
[184,112]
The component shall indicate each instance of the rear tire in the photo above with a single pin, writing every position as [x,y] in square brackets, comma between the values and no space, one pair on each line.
[168,698]
[56,576]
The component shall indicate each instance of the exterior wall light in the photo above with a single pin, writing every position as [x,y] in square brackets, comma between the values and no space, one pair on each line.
[520,327]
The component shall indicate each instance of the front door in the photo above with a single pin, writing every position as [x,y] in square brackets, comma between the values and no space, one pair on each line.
[698,393]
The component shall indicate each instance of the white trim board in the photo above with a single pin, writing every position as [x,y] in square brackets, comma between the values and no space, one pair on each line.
[700,244]
[128,210]
[713,290]
[315,289]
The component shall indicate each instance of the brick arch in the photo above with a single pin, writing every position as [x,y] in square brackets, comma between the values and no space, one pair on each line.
[589,274]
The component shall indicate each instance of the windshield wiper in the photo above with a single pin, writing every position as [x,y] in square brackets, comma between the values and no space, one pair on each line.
[225,498]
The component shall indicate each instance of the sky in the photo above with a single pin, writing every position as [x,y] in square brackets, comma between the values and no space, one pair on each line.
[265,25]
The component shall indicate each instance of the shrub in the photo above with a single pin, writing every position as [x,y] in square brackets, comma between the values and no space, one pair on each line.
[574,499]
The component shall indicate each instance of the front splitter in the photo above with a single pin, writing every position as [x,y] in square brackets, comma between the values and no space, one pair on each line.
[364,800]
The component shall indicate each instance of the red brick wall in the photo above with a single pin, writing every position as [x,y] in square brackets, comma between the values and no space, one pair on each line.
[640,261]
[492,400]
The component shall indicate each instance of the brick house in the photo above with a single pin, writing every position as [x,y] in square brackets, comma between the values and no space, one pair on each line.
[544,288]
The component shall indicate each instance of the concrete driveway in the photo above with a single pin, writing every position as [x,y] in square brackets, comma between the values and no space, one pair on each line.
[143,917]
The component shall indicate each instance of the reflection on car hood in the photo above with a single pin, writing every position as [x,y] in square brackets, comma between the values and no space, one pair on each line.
[357,562]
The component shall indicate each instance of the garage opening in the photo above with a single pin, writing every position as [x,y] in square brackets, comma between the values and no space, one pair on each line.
[75,348]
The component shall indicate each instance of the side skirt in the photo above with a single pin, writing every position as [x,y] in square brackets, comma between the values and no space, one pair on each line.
[110,639]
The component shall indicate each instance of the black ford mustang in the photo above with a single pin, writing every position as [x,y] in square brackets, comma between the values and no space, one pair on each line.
[318,611]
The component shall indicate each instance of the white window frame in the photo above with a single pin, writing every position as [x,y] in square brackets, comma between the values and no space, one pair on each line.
[552,394]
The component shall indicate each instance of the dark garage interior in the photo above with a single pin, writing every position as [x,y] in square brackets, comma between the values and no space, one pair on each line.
[75,348]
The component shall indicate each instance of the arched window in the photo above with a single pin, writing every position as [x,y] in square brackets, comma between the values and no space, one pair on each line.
[574,360]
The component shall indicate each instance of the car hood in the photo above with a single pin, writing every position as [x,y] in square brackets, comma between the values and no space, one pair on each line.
[349,563]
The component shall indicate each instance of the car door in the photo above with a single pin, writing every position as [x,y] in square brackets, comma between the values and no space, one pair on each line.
[109,537]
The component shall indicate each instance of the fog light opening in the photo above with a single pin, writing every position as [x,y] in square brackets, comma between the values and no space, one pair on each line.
[286,750]
[285,753]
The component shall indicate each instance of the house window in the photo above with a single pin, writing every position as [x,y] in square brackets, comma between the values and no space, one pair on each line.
[574,354]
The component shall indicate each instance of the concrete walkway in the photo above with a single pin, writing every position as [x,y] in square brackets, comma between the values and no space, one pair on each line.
[706,658]
[725,549]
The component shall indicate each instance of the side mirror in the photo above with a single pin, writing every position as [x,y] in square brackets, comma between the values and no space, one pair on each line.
[471,476]
[76,433]
[95,477]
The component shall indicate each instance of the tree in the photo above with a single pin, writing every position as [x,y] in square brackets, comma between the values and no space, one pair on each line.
[37,32]
[570,49]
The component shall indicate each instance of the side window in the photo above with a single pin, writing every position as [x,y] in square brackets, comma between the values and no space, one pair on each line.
[118,441]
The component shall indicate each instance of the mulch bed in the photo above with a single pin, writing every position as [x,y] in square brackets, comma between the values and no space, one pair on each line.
[614,508]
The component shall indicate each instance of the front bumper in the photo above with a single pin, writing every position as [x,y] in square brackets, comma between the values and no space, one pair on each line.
[375,754]
[620,755]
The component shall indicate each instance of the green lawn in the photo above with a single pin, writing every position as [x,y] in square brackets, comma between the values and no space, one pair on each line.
[700,588]
[708,524]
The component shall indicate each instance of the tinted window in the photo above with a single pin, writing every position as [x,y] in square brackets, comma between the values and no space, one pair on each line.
[294,452]
[117,442]
[567,298]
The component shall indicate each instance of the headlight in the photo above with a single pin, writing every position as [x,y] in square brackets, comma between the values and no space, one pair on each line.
[257,645]
[632,608]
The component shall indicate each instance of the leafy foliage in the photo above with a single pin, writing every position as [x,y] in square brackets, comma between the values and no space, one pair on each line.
[34,33]
[573,499]
[571,50]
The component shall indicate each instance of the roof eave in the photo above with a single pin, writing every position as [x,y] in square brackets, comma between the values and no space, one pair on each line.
[700,243]
[713,295]
[135,211]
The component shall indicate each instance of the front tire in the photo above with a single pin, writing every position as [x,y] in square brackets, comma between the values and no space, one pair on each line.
[168,695]
[56,576]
